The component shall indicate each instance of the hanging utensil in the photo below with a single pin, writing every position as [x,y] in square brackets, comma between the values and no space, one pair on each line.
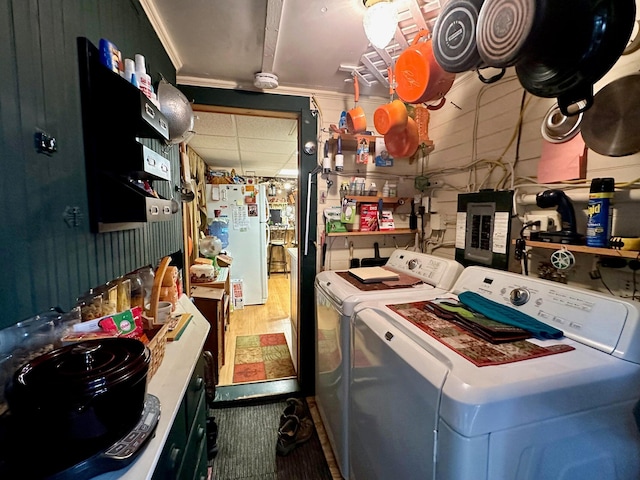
[353,262]
[611,126]
[557,127]
[356,121]
[391,115]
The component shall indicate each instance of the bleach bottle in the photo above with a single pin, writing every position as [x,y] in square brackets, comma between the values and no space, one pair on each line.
[599,212]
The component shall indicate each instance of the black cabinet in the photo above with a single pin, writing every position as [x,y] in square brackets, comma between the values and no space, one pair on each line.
[184,456]
[116,118]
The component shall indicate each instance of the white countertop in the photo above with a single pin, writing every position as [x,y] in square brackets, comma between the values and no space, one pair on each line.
[169,384]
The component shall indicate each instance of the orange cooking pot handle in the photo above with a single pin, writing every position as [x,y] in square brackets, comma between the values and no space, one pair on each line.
[390,78]
[421,33]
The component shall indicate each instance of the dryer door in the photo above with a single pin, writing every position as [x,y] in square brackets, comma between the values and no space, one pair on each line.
[394,401]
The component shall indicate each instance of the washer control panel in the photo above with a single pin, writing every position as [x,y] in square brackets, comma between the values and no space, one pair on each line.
[436,271]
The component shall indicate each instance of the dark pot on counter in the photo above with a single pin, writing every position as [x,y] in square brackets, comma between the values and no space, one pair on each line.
[75,401]
[560,48]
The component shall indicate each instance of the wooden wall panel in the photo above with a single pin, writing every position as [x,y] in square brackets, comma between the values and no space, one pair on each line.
[45,261]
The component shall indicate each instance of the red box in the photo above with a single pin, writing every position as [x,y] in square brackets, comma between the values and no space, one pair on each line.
[369,217]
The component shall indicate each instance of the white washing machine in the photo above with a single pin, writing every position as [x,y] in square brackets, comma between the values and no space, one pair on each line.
[420,410]
[337,293]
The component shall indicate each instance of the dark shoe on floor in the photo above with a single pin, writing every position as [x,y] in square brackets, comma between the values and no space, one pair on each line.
[295,407]
[293,432]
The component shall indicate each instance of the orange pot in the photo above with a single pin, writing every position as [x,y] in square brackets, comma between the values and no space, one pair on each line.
[356,120]
[419,77]
[390,116]
[402,141]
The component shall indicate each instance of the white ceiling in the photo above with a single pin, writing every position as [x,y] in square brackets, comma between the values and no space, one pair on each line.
[311,45]
[254,146]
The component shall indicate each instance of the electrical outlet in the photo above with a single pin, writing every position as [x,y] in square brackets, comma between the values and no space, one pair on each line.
[435,221]
[549,221]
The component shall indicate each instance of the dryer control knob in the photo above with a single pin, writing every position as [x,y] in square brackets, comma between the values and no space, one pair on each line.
[413,264]
[519,296]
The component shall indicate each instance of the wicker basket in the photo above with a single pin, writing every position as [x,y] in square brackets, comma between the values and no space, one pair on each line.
[157,343]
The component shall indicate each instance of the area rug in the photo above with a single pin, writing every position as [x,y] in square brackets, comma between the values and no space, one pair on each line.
[262,357]
[247,437]
[478,351]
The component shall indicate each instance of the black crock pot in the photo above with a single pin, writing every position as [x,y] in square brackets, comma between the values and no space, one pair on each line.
[75,401]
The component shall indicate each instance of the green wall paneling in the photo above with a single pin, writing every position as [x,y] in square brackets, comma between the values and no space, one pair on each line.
[45,261]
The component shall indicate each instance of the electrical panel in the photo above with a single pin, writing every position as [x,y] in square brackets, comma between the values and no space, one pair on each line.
[483,228]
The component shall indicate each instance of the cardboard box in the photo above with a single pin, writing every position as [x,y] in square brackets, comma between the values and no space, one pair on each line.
[237,294]
[369,217]
[386,220]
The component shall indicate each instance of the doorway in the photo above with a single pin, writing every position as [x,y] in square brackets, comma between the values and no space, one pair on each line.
[259,153]
[280,106]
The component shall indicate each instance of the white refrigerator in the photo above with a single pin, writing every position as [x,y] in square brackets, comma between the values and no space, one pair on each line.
[246,210]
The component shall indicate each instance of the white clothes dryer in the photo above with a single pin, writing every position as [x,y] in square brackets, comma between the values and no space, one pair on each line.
[337,294]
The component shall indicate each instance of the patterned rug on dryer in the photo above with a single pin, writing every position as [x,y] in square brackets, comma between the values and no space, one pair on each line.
[262,357]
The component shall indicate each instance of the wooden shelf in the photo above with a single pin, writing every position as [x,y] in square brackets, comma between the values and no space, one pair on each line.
[607,252]
[374,199]
[357,233]
[350,141]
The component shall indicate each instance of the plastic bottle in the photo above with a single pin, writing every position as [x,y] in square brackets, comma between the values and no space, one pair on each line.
[144,80]
[339,157]
[385,189]
[599,212]
[220,228]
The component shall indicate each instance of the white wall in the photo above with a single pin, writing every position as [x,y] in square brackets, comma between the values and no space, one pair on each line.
[478,122]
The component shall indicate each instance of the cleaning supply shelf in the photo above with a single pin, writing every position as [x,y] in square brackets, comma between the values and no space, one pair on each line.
[607,252]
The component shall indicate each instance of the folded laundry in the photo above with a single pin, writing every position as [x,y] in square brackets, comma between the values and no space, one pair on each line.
[508,315]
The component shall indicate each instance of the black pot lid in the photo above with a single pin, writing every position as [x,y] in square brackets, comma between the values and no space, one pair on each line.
[610,127]
[557,127]
[84,368]
[504,26]
[454,36]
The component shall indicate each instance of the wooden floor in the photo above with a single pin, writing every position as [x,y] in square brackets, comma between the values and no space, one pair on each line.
[272,317]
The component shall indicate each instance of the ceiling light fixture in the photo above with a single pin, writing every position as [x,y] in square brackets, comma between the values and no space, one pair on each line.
[380,22]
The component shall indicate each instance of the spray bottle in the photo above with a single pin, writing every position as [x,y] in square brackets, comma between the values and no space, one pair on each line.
[599,212]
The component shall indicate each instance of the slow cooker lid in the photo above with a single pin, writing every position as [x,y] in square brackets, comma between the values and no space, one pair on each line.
[86,366]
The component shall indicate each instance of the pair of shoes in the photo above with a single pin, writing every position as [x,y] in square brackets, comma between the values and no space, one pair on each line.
[212,438]
[295,407]
[294,431]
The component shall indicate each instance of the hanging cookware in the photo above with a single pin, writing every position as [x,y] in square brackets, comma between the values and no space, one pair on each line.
[611,126]
[77,400]
[454,39]
[403,142]
[569,73]
[391,115]
[419,78]
[356,121]
[557,127]
[560,49]
[177,109]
